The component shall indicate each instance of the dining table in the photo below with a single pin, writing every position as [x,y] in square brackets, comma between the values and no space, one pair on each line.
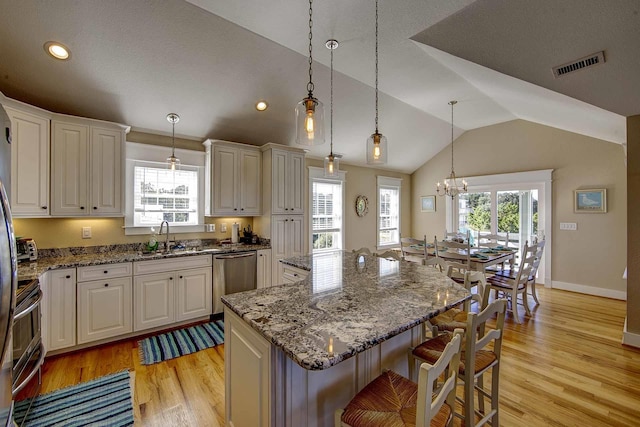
[479,258]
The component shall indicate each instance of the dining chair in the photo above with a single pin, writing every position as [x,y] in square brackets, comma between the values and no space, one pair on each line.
[393,400]
[414,250]
[493,241]
[538,249]
[456,318]
[481,350]
[457,236]
[390,255]
[511,287]
[458,258]
[362,251]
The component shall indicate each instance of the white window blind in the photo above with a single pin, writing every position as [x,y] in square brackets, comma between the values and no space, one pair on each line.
[326,222]
[388,211]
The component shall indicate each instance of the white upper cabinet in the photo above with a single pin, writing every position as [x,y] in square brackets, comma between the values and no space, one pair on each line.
[29,162]
[233,179]
[86,163]
[287,179]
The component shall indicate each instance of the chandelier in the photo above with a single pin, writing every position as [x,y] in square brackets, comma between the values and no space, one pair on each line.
[451,187]
[310,111]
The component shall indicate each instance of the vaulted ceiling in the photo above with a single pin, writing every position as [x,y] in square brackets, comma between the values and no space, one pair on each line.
[134,61]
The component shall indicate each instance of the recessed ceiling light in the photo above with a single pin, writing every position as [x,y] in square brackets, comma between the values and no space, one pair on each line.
[57,50]
[261,105]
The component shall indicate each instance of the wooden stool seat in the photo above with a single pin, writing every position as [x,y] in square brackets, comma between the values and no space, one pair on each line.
[389,400]
[450,320]
[431,350]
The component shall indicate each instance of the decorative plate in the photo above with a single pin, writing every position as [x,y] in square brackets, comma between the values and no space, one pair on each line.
[362,205]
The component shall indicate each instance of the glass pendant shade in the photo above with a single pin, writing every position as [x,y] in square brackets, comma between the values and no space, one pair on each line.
[331,166]
[310,122]
[173,162]
[377,149]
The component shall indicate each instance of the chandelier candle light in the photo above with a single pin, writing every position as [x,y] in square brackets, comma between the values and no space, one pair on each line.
[310,111]
[172,160]
[331,162]
[377,143]
[451,187]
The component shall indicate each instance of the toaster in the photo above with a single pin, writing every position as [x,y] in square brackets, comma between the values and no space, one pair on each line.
[27,250]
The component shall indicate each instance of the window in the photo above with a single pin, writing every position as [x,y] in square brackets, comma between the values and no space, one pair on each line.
[155,193]
[388,211]
[327,208]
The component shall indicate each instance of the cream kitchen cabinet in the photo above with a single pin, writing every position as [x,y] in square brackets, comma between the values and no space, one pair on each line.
[86,168]
[263,268]
[59,309]
[286,241]
[233,178]
[29,161]
[171,290]
[105,301]
[291,274]
[284,181]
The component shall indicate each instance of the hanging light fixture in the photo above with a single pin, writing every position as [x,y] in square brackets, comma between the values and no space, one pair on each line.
[310,111]
[172,160]
[377,143]
[332,161]
[451,187]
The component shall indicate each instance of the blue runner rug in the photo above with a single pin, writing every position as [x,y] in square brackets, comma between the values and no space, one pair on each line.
[105,401]
[180,342]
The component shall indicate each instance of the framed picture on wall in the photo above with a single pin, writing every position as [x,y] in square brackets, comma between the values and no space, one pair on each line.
[428,203]
[590,201]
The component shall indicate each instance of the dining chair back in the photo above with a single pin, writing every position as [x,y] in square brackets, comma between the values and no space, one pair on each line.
[362,251]
[390,255]
[458,258]
[457,236]
[492,240]
[414,250]
[539,251]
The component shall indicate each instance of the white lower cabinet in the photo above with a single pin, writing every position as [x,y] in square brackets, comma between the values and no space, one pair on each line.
[153,299]
[263,268]
[59,308]
[193,293]
[104,309]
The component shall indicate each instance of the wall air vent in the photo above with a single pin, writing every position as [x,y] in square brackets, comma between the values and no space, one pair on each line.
[578,64]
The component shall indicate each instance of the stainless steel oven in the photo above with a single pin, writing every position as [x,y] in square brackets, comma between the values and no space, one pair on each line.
[28,351]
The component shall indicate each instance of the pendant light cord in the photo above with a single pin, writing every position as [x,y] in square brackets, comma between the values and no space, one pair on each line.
[331,113]
[173,139]
[376,66]
[452,104]
[310,86]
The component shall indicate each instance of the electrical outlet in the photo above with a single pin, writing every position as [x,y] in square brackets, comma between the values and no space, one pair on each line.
[568,226]
[223,227]
[86,232]
[213,227]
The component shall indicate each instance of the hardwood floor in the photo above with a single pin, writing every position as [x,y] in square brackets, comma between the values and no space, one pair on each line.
[564,366]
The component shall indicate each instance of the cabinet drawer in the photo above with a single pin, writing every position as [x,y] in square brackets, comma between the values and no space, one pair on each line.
[104,271]
[292,274]
[171,264]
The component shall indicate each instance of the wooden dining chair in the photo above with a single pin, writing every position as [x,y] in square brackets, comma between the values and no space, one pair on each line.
[390,255]
[493,241]
[362,251]
[414,250]
[481,350]
[511,287]
[393,400]
[538,250]
[458,258]
[457,236]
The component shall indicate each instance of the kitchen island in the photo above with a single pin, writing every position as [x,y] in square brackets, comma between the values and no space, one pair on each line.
[294,353]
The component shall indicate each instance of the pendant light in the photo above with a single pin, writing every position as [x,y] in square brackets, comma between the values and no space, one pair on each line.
[451,187]
[377,143]
[172,161]
[332,161]
[310,111]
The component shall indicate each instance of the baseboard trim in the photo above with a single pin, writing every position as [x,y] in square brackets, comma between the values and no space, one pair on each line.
[629,338]
[589,290]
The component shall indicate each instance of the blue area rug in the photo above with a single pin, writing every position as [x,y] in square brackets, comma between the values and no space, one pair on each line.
[178,343]
[105,401]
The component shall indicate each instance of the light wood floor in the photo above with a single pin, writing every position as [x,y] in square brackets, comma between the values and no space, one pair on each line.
[564,366]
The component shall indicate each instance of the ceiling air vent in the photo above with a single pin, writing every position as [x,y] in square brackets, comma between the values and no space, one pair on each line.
[578,64]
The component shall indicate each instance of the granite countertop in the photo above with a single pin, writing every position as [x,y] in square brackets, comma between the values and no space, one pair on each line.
[110,255]
[346,305]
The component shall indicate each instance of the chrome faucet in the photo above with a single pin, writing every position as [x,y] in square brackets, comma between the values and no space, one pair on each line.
[166,240]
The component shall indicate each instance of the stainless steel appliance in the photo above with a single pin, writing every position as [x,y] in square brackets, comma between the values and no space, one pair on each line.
[26,249]
[28,350]
[8,272]
[232,273]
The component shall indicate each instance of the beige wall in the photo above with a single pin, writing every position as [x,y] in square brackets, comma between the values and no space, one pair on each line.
[633,213]
[594,255]
[361,231]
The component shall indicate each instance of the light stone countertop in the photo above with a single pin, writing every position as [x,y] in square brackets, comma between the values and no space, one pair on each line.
[352,303]
[63,259]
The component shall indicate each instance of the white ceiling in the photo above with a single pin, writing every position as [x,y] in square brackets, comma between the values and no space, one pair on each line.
[135,61]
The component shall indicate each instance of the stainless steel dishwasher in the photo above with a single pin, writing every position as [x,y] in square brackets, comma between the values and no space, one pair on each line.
[232,273]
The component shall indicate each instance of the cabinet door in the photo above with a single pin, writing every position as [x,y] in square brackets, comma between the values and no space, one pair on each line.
[250,182]
[29,164]
[295,236]
[153,300]
[279,199]
[263,269]
[104,309]
[225,180]
[279,234]
[61,308]
[69,187]
[295,183]
[193,293]
[106,172]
